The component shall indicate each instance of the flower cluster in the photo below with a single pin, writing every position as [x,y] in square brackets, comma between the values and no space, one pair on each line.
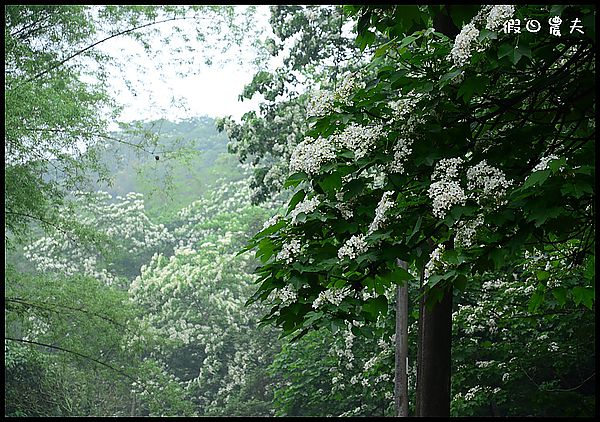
[310,154]
[490,180]
[271,221]
[445,191]
[385,203]
[346,88]
[435,263]
[466,231]
[461,51]
[333,296]
[353,247]
[320,104]
[289,251]
[121,225]
[401,152]
[493,16]
[497,15]
[344,208]
[543,164]
[306,206]
[359,139]
[287,295]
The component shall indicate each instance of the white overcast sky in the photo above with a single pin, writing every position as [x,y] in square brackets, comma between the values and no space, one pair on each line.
[213,91]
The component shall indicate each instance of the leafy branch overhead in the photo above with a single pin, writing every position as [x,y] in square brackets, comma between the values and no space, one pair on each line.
[450,154]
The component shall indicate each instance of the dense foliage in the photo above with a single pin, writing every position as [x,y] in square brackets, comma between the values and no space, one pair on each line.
[421,157]
[55,117]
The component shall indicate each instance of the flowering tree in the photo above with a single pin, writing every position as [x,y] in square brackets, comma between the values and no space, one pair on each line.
[315,47]
[505,342]
[115,238]
[423,159]
[194,302]
[55,117]
[190,346]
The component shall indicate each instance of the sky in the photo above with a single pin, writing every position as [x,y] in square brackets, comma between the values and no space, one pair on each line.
[212,91]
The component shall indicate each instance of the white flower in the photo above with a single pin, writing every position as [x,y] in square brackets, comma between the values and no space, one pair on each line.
[543,164]
[471,393]
[444,191]
[333,296]
[289,251]
[489,179]
[344,208]
[346,88]
[445,194]
[320,104]
[401,152]
[306,206]
[498,15]
[310,154]
[435,261]
[359,139]
[353,247]
[461,51]
[385,203]
[466,231]
[271,221]
[287,295]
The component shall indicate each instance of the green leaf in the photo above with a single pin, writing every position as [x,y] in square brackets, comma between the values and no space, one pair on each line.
[557,9]
[505,49]
[332,182]
[583,295]
[460,282]
[536,178]
[514,53]
[295,179]
[471,86]
[407,40]
[353,188]
[461,14]
[542,275]
[487,34]
[560,294]
[298,196]
[590,269]
[536,300]
[434,295]
[399,275]
[375,306]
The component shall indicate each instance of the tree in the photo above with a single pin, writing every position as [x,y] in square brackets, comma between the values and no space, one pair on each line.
[317,51]
[424,161]
[194,302]
[66,347]
[156,324]
[54,117]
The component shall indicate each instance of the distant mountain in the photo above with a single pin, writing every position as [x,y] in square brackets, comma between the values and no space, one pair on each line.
[186,158]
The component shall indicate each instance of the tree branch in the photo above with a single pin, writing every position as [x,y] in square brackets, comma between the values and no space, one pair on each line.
[89,47]
[37,305]
[72,352]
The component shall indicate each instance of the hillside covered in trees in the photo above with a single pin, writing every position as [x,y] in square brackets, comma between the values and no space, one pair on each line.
[404,227]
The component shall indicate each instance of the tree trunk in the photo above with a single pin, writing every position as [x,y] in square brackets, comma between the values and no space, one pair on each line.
[401,352]
[435,340]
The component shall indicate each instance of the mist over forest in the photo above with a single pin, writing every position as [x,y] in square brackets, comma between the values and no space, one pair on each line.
[404,226]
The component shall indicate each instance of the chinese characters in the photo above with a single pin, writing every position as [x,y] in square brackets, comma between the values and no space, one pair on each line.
[513,26]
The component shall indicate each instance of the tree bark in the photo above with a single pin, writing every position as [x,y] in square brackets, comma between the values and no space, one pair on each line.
[401,352]
[435,341]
